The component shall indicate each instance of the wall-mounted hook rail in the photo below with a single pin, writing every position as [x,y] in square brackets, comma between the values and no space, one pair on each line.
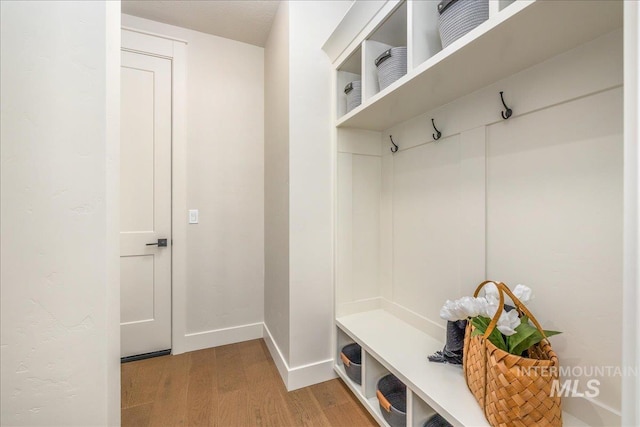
[438,134]
[505,114]
[395,146]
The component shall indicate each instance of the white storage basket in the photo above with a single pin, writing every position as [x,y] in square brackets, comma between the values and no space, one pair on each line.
[458,17]
[392,65]
[353,90]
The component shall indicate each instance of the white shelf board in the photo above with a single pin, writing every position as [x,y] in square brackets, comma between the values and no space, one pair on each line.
[403,350]
[520,36]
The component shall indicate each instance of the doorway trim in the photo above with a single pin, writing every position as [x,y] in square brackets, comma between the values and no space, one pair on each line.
[176,51]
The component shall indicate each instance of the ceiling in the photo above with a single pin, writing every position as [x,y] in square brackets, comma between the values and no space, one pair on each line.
[248,21]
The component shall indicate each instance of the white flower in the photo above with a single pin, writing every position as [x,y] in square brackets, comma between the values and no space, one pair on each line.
[471,306]
[508,322]
[451,311]
[462,308]
[491,291]
[489,306]
[523,293]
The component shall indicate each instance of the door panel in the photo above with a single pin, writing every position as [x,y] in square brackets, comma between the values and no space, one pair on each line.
[136,194]
[145,204]
[136,289]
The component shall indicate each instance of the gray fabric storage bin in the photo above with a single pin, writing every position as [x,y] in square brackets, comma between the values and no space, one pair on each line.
[391,64]
[458,17]
[351,356]
[394,392]
[353,90]
[437,421]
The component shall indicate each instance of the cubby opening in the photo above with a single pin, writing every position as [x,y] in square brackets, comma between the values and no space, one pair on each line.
[350,71]
[497,6]
[342,340]
[504,3]
[419,409]
[373,371]
[424,37]
[389,34]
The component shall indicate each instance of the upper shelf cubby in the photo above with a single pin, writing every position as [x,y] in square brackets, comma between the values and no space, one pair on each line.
[390,34]
[424,38]
[349,73]
[518,35]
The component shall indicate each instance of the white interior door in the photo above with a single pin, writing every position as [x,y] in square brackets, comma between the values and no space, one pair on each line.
[145,204]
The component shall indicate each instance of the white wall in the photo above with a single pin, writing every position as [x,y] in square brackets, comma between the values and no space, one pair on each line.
[299,191]
[59,277]
[311,183]
[276,185]
[225,181]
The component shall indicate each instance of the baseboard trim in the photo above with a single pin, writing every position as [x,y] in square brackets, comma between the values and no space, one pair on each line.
[276,355]
[427,326]
[299,376]
[218,337]
[313,373]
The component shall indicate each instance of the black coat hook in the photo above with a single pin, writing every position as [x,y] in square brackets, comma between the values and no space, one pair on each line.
[438,134]
[505,114]
[395,146]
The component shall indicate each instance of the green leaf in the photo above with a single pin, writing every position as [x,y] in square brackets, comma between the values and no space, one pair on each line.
[525,337]
[481,323]
[531,340]
[523,332]
[497,339]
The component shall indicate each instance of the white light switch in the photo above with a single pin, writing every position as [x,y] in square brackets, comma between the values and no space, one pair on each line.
[193,216]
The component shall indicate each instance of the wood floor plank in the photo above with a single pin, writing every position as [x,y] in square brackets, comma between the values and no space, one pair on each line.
[252,352]
[305,409]
[231,375]
[347,415]
[232,409]
[234,385]
[202,391]
[330,393]
[169,408]
[136,416]
[267,407]
[141,380]
[261,372]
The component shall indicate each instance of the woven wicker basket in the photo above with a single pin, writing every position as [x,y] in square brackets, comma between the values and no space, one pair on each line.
[512,390]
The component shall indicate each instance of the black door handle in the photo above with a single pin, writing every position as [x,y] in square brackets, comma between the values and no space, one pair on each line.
[161,243]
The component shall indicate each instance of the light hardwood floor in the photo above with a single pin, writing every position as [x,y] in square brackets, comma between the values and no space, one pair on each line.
[232,385]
